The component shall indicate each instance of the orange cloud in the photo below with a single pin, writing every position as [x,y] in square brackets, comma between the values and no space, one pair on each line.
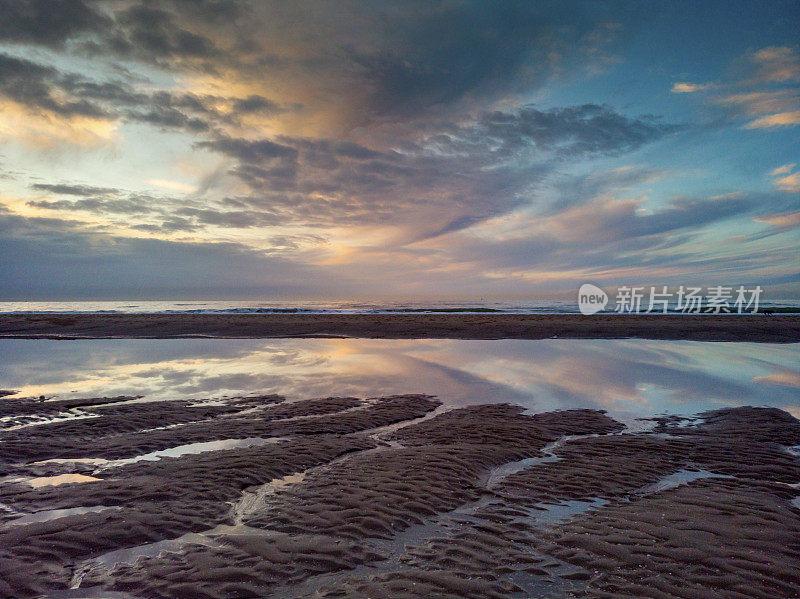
[784,378]
[763,102]
[759,90]
[777,64]
[782,170]
[46,131]
[790,181]
[688,88]
[788,220]
[782,119]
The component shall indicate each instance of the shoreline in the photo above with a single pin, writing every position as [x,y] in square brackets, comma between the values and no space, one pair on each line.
[784,328]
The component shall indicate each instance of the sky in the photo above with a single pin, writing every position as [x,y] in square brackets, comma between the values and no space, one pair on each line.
[214,149]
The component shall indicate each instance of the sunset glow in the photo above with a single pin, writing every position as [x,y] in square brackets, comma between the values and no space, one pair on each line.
[234,149]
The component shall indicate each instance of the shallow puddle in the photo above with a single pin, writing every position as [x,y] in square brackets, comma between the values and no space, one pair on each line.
[61,479]
[677,479]
[631,378]
[192,449]
[46,515]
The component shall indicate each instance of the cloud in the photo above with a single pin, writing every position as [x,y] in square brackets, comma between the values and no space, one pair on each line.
[45,90]
[106,201]
[607,236]
[249,151]
[385,141]
[605,220]
[48,22]
[782,170]
[776,64]
[689,88]
[784,221]
[771,121]
[375,61]
[782,378]
[33,85]
[580,189]
[758,89]
[434,62]
[755,103]
[95,205]
[146,32]
[234,219]
[74,190]
[439,55]
[607,239]
[255,103]
[137,211]
[790,183]
[454,176]
[52,258]
[785,179]
[569,131]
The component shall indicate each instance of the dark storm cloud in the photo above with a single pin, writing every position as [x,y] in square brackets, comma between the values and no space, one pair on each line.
[563,133]
[192,112]
[48,22]
[149,32]
[606,235]
[438,54]
[154,32]
[97,206]
[170,118]
[424,54]
[456,176]
[410,131]
[391,60]
[235,219]
[74,190]
[571,131]
[56,258]
[111,202]
[431,55]
[255,103]
[36,86]
[445,60]
[213,11]
[171,224]
[154,214]
[249,151]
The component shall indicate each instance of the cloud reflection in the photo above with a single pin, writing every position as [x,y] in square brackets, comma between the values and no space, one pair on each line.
[627,377]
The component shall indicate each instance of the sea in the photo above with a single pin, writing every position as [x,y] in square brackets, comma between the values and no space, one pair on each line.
[326,307]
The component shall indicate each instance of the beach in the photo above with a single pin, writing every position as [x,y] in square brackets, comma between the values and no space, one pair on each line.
[783,328]
[395,496]
[398,455]
[399,300]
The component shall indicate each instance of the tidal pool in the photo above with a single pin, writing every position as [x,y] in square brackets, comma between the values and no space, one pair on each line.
[629,378]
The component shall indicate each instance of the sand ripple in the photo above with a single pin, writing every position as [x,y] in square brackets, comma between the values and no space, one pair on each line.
[393,496]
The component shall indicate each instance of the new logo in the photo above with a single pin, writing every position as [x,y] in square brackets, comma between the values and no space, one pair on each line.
[591,299]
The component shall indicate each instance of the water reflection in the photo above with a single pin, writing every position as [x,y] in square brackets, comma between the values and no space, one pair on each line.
[61,479]
[627,377]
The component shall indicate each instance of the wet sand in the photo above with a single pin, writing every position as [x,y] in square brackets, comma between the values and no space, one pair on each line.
[392,497]
[748,327]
